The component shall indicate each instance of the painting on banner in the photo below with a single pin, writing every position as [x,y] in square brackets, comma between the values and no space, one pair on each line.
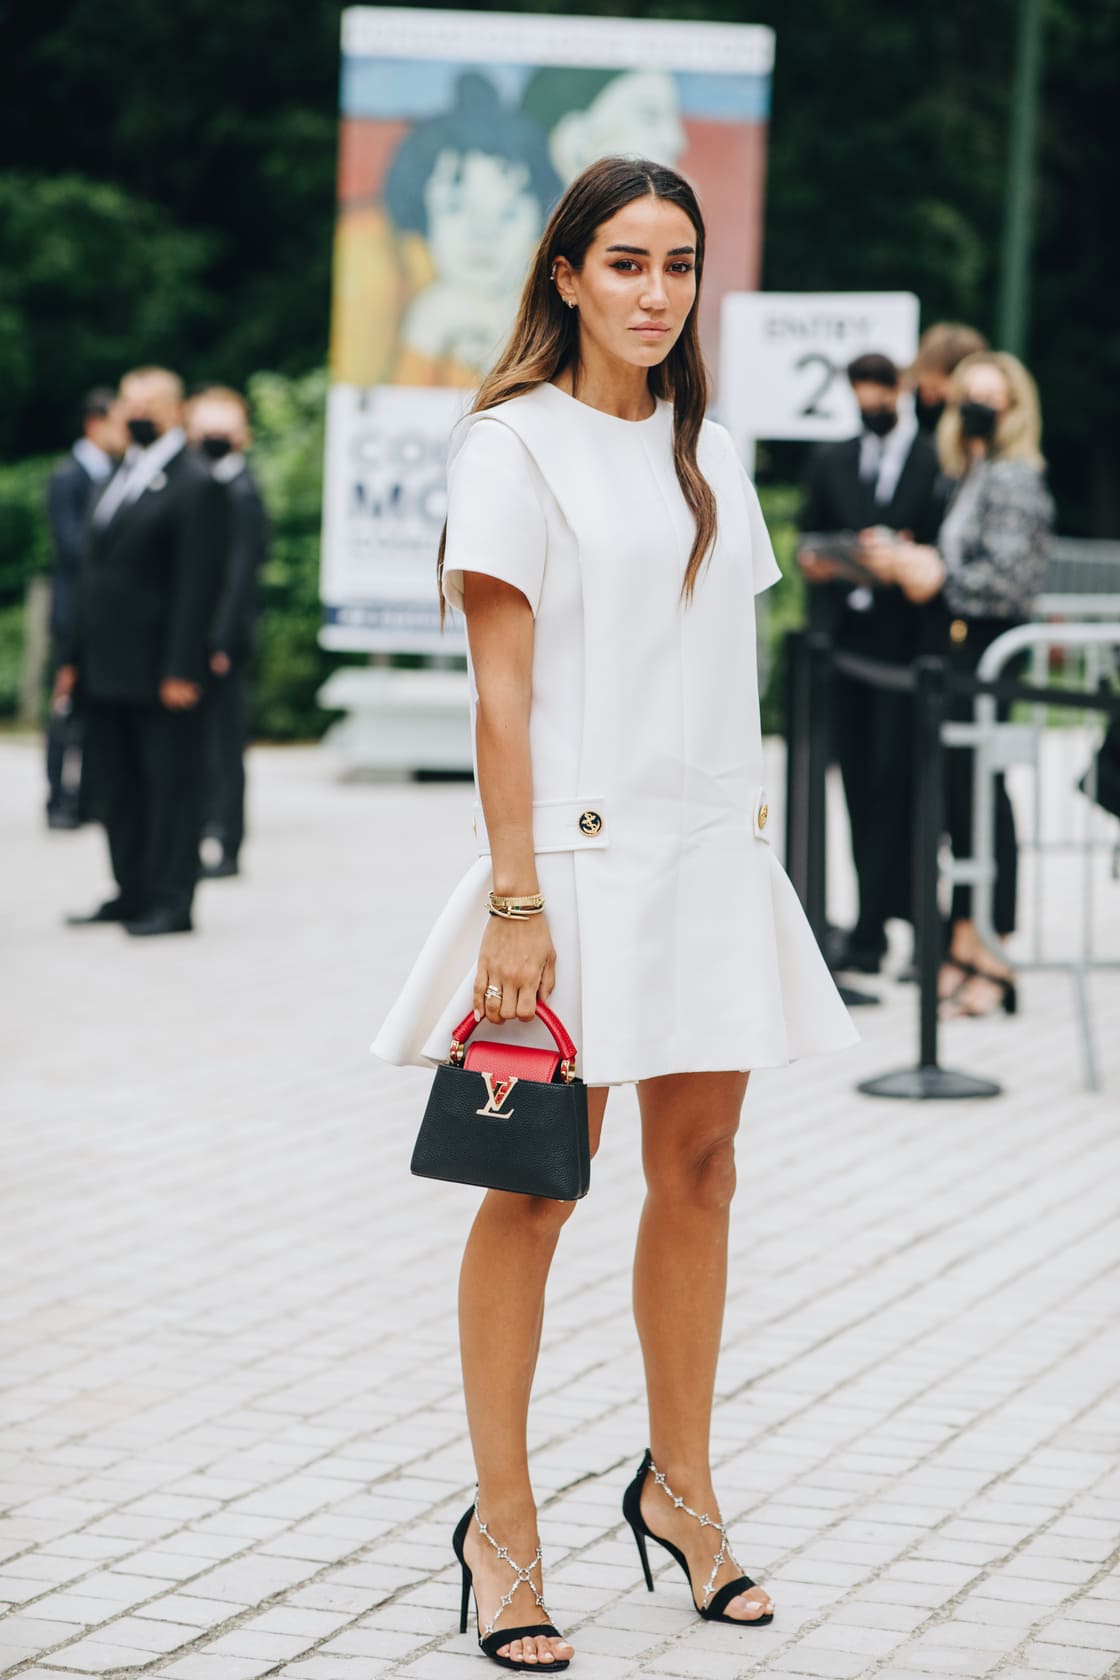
[459,133]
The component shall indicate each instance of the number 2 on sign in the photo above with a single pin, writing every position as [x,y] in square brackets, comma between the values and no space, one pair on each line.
[812,409]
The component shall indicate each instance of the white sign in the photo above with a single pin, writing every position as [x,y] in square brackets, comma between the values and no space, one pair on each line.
[384,502]
[784,355]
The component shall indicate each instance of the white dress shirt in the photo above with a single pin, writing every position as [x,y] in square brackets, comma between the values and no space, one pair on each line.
[95,463]
[139,470]
[883,458]
[227,467]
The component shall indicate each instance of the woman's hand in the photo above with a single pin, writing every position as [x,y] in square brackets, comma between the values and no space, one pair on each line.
[919,572]
[518,956]
[916,568]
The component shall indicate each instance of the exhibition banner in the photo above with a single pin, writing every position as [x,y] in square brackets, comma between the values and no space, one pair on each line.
[459,132]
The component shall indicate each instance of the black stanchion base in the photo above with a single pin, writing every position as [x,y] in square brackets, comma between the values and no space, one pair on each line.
[856,1000]
[920,1083]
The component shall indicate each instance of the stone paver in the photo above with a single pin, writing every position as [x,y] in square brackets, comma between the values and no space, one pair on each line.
[231,1438]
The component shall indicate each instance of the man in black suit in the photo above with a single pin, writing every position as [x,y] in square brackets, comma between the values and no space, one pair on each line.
[888,475]
[71,489]
[218,427]
[138,643]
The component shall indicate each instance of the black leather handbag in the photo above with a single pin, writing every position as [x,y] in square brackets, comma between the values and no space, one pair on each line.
[508,1117]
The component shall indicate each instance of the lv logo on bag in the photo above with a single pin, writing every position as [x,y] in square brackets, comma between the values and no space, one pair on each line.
[497,1090]
[543,1151]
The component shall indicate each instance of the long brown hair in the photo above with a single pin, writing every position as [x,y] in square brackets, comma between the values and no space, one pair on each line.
[545,336]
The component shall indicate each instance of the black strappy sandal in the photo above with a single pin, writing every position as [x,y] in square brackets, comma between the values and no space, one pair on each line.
[489,1641]
[713,1604]
[953,1006]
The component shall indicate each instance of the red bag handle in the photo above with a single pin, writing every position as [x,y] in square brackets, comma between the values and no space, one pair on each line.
[563,1039]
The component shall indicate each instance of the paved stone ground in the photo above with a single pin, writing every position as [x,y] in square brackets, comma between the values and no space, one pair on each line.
[231,1439]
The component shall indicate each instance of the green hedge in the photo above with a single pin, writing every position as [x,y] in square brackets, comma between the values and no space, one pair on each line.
[24,550]
[783,607]
[288,417]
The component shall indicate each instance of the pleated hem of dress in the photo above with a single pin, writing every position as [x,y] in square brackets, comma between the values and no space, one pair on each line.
[436,994]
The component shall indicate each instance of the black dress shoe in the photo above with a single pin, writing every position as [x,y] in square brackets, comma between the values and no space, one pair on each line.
[158,921]
[115,910]
[846,954]
[220,871]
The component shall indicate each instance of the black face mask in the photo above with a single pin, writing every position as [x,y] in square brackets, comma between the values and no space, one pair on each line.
[927,413]
[978,420]
[215,448]
[142,432]
[879,421]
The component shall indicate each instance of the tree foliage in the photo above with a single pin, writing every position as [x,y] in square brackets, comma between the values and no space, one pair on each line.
[63,328]
[186,157]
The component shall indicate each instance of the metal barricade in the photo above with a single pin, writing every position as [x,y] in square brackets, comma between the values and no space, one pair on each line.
[811,661]
[1063,835]
[1027,749]
[1082,580]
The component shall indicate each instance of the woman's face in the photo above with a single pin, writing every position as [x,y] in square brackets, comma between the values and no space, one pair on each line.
[986,384]
[637,284]
[483,220]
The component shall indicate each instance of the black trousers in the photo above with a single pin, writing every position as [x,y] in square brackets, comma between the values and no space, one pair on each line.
[148,765]
[226,730]
[965,656]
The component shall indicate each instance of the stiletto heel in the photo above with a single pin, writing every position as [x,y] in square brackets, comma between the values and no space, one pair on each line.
[713,1604]
[489,1641]
[640,1542]
[457,1540]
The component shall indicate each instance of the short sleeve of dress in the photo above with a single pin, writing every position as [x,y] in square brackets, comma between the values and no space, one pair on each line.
[763,564]
[495,519]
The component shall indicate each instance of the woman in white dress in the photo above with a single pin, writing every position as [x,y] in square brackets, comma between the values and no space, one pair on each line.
[606,545]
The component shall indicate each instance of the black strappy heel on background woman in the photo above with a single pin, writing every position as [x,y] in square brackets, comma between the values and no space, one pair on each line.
[489,1641]
[713,1604]
[954,1004]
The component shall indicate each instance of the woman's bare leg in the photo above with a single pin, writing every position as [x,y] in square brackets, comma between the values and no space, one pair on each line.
[689,1123]
[501,1311]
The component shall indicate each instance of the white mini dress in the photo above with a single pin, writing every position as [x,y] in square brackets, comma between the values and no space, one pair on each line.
[681,944]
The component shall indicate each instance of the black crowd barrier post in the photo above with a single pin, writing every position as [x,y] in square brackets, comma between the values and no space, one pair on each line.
[928,1079]
[820,710]
[797,732]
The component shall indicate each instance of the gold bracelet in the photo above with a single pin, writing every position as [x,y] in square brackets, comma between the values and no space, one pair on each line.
[515,907]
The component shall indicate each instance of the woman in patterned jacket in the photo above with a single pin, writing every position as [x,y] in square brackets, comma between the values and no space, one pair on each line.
[988,566]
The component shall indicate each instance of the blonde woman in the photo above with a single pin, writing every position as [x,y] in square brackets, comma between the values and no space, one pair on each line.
[606,547]
[988,565]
